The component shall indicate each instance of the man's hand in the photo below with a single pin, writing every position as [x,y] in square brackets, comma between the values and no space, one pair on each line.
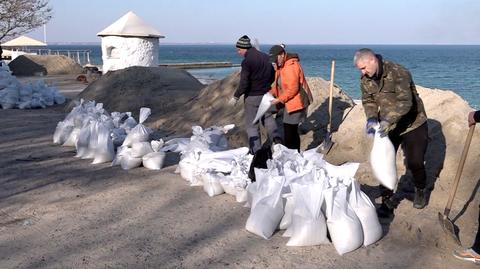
[384,128]
[471,119]
[275,101]
[233,101]
[369,127]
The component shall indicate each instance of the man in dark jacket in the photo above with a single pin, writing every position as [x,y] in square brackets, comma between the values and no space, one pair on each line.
[390,99]
[256,78]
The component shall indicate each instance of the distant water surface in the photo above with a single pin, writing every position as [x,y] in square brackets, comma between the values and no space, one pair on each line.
[453,67]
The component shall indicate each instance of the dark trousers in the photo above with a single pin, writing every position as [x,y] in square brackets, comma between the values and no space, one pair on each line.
[414,145]
[291,136]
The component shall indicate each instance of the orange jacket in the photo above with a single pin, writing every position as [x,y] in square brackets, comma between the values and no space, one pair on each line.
[288,78]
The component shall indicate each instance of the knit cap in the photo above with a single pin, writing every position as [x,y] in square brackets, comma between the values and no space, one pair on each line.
[244,42]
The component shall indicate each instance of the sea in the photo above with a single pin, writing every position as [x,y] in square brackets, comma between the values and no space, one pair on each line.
[452,67]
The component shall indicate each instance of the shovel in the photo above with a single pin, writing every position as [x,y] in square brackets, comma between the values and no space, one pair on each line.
[327,143]
[447,224]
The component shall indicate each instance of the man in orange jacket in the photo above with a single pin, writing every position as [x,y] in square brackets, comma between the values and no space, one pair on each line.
[291,91]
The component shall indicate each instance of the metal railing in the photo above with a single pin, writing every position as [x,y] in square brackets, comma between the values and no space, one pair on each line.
[82,57]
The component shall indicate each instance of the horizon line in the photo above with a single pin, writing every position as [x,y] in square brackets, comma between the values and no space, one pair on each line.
[303,44]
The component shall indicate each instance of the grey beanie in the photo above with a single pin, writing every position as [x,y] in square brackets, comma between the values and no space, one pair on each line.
[244,42]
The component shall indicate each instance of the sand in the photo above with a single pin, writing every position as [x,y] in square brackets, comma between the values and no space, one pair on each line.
[32,65]
[159,88]
[61,212]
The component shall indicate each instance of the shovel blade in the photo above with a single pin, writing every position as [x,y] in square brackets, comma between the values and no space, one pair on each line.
[449,228]
[326,145]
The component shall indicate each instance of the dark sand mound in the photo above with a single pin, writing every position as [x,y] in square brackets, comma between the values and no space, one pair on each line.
[159,88]
[30,65]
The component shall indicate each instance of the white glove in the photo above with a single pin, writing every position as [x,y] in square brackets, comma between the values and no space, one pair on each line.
[233,101]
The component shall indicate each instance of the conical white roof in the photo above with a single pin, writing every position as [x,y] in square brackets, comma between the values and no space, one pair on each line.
[130,25]
[23,41]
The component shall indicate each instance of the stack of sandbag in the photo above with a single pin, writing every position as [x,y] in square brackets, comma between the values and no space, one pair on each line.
[317,196]
[36,95]
[97,135]
[136,144]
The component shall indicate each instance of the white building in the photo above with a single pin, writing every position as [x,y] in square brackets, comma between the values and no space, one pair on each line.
[129,42]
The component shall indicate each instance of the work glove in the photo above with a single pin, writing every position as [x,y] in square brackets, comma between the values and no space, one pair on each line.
[384,128]
[233,101]
[369,127]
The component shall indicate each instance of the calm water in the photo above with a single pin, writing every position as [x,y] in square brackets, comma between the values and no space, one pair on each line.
[445,67]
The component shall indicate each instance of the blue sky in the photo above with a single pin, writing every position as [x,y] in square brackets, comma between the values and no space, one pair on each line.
[276,21]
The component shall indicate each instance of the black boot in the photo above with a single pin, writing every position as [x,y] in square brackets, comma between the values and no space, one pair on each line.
[420,200]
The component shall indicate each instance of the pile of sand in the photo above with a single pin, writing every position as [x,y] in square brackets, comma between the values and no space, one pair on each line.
[159,88]
[31,65]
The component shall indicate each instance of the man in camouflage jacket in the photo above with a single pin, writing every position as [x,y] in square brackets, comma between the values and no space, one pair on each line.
[390,99]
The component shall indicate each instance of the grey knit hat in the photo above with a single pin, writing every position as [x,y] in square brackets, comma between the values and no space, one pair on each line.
[244,43]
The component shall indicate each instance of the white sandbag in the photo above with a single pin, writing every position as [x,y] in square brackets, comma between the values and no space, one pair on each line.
[190,172]
[153,160]
[287,216]
[72,138]
[128,162]
[343,225]
[265,104]
[366,213]
[308,227]
[92,142]
[383,161]
[241,195]
[267,207]
[139,133]
[228,185]
[344,171]
[118,136]
[104,151]
[176,145]
[62,132]
[129,122]
[211,184]
[82,141]
[264,217]
[139,149]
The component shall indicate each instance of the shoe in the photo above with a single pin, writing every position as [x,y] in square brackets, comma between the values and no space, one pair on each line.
[420,200]
[384,211]
[467,255]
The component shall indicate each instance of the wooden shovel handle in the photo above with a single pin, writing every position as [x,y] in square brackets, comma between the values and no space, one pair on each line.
[330,97]
[459,171]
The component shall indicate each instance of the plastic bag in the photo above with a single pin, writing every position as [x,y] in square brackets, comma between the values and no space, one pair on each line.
[383,161]
[366,213]
[308,227]
[139,133]
[211,184]
[343,225]
[265,104]
[153,160]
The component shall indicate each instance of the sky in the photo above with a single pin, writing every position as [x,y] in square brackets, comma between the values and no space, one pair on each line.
[275,21]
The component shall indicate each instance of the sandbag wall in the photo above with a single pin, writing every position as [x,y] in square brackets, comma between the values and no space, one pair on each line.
[15,95]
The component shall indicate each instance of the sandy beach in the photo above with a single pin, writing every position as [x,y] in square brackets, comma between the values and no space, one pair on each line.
[58,211]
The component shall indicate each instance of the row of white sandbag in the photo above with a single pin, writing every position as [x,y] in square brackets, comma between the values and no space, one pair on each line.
[218,172]
[95,134]
[35,95]
[300,202]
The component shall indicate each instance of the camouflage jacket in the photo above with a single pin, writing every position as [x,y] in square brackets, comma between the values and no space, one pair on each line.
[393,98]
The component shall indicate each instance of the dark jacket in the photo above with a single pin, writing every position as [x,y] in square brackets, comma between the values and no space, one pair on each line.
[393,97]
[257,74]
[476,116]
